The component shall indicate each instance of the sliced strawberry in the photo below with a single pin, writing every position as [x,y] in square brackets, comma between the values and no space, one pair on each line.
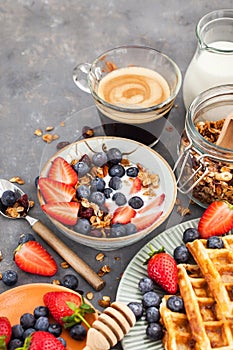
[62,171]
[55,191]
[153,204]
[216,220]
[144,221]
[41,340]
[136,186]
[66,213]
[32,257]
[67,308]
[5,332]
[123,215]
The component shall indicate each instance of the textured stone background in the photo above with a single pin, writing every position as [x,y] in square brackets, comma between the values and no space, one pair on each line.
[41,41]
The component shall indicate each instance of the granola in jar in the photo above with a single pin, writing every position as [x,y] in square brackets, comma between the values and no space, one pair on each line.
[205,170]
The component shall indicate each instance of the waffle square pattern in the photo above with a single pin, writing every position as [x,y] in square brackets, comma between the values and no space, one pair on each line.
[207,291]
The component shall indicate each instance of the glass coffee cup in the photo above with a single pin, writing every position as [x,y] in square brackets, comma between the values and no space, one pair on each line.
[134,89]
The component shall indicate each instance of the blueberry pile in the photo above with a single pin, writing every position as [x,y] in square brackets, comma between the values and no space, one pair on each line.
[32,322]
[148,308]
[100,189]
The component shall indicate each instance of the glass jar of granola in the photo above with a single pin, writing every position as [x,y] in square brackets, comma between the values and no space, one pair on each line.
[204,169]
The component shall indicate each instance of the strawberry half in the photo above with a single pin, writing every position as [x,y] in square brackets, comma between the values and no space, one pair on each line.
[67,308]
[62,171]
[162,269]
[66,213]
[144,221]
[136,186]
[153,204]
[54,191]
[216,220]
[5,332]
[123,215]
[33,258]
[41,340]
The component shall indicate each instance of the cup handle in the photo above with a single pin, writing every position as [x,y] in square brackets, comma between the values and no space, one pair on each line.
[80,73]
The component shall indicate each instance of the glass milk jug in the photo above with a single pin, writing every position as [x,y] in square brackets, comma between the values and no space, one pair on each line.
[212,63]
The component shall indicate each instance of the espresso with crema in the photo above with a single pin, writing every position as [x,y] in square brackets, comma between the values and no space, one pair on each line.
[134,87]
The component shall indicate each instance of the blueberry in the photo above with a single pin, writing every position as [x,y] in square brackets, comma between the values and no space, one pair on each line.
[132,171]
[130,228]
[55,329]
[15,344]
[107,192]
[116,170]
[17,331]
[181,254]
[9,277]
[42,324]
[27,320]
[190,234]
[136,202]
[8,198]
[99,159]
[175,303]
[119,198]
[118,230]
[28,332]
[41,311]
[83,226]
[83,191]
[97,197]
[62,340]
[81,168]
[78,332]
[25,237]
[136,308]
[70,281]
[115,183]
[152,314]
[154,331]
[151,299]
[215,242]
[114,155]
[145,285]
[97,184]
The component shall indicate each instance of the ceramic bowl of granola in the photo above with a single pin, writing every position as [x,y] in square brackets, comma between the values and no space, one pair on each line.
[107,192]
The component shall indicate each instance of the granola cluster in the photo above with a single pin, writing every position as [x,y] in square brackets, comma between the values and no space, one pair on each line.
[217,184]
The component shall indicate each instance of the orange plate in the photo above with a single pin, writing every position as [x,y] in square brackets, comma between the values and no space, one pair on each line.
[16,301]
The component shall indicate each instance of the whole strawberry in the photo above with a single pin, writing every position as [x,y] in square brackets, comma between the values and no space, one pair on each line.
[162,269]
[67,308]
[5,332]
[41,340]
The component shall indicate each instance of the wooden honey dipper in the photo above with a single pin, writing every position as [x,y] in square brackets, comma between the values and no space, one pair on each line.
[110,327]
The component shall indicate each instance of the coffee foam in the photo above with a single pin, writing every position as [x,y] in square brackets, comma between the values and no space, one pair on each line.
[133,87]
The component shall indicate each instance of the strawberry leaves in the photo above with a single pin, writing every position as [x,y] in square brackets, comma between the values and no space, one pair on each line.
[78,315]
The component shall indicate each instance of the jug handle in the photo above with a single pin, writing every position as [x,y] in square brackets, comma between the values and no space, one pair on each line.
[80,73]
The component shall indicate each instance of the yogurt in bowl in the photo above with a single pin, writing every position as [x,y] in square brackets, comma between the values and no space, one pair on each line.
[109,202]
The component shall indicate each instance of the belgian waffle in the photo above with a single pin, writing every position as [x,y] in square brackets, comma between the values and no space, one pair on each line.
[204,326]
[178,334]
[210,328]
[217,267]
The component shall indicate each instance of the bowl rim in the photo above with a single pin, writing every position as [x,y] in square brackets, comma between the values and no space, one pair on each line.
[140,234]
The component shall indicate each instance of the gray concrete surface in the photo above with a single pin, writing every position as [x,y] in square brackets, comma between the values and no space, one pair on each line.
[40,43]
